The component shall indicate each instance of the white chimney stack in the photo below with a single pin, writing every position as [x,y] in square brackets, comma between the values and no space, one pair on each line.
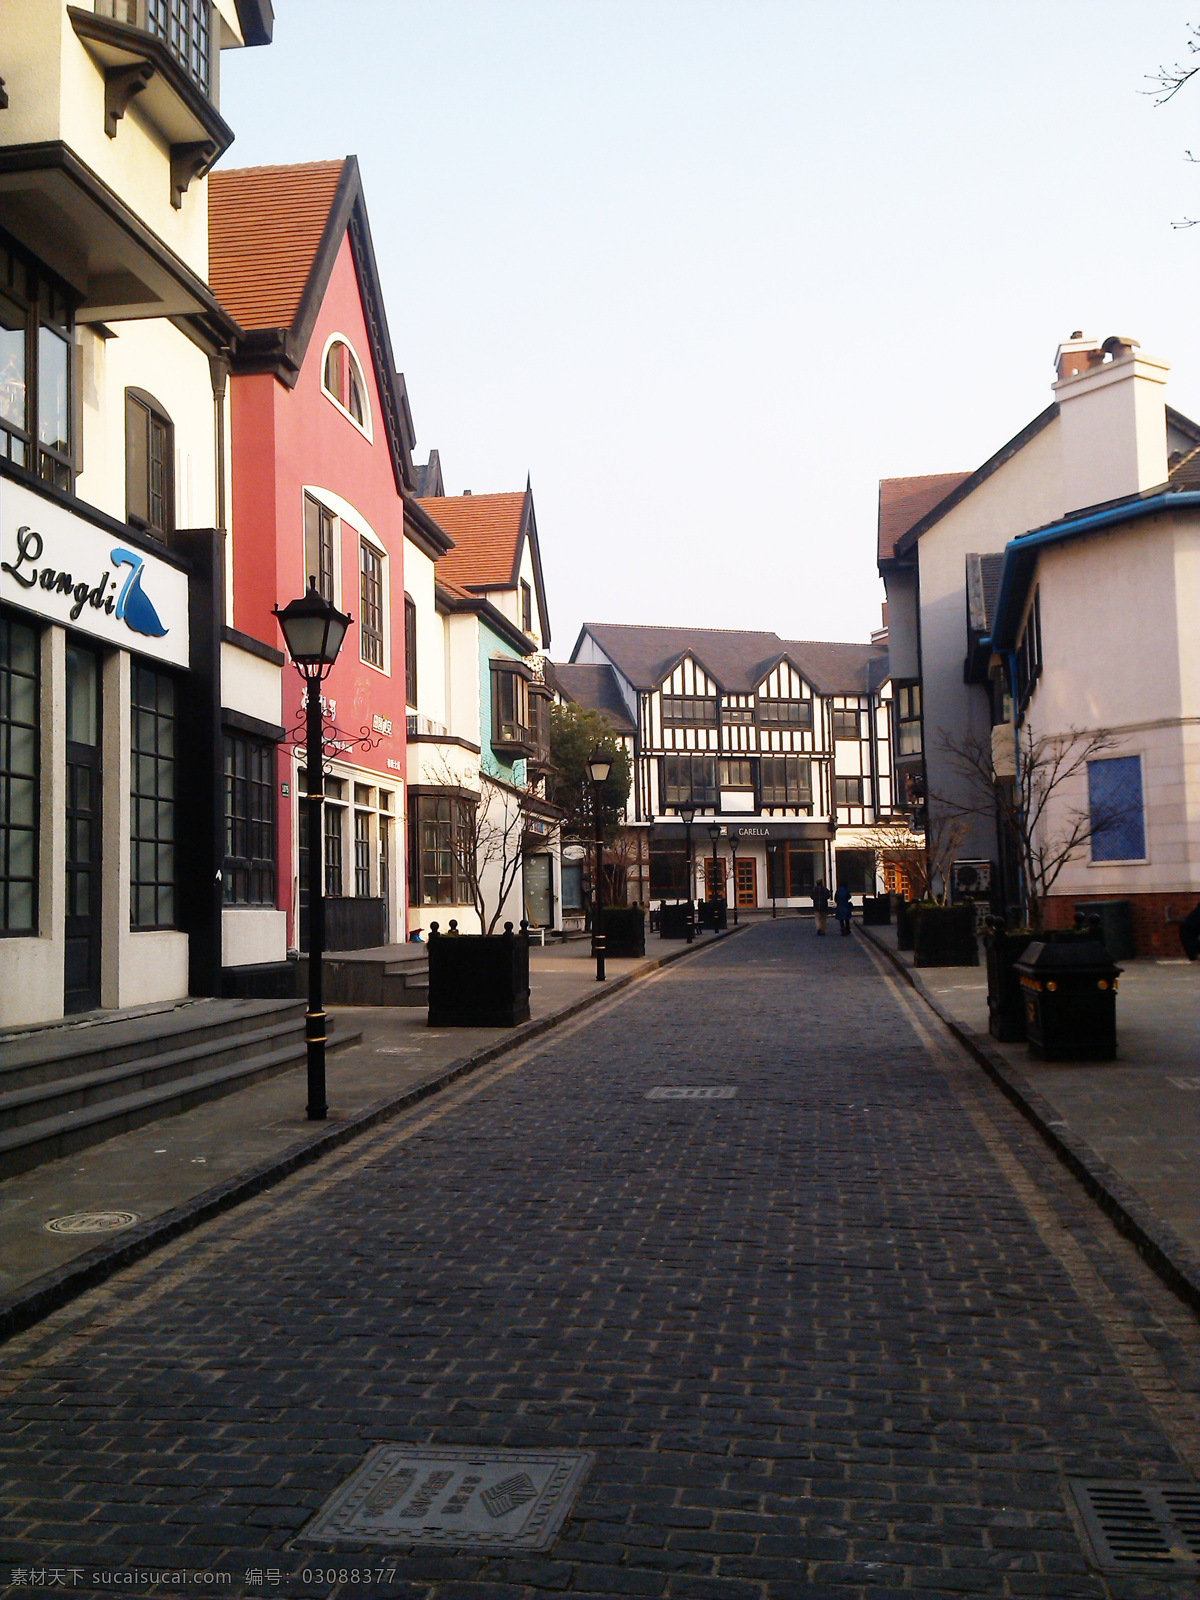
[1113,420]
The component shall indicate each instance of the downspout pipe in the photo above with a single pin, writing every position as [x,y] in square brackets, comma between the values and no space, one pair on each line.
[1010,657]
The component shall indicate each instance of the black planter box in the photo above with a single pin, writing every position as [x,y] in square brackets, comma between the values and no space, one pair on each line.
[945,937]
[1070,994]
[906,924]
[1006,1000]
[478,980]
[714,915]
[877,911]
[624,931]
[672,919]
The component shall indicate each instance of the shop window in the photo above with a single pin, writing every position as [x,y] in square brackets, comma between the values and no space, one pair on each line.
[410,651]
[152,799]
[805,867]
[441,843]
[789,713]
[847,724]
[249,872]
[342,380]
[1116,809]
[689,777]
[908,719]
[855,869]
[370,627]
[668,872]
[785,781]
[847,791]
[18,776]
[572,888]
[36,328]
[149,464]
[689,709]
[319,524]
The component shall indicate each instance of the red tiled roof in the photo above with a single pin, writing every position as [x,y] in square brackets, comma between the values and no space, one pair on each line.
[485,529]
[264,228]
[904,501]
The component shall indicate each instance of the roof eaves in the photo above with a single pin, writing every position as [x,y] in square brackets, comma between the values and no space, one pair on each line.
[424,531]
[909,537]
[256,18]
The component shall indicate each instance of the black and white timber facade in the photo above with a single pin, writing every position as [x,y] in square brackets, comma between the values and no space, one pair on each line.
[785,744]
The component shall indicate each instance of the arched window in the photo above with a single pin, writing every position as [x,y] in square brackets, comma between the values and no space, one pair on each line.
[149,464]
[342,380]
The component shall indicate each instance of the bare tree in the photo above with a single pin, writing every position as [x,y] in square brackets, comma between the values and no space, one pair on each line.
[487,838]
[1168,81]
[1035,810]
[924,858]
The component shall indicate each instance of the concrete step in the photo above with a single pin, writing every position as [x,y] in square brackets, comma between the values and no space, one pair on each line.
[63,1132]
[386,979]
[44,1055]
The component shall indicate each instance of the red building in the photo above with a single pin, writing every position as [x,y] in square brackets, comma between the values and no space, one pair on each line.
[321,456]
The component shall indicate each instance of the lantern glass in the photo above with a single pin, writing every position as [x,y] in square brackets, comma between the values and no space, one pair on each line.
[313,629]
[686,811]
[599,766]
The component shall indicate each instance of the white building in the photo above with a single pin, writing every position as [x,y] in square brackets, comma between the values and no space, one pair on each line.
[113,503]
[783,744]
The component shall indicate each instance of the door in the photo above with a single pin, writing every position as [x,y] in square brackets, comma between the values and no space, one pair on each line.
[81,976]
[747,883]
[539,904]
[385,877]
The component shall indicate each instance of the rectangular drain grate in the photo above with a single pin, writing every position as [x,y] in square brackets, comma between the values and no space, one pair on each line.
[1140,1527]
[471,1499]
[687,1091]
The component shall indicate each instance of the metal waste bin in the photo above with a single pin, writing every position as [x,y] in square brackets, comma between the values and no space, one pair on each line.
[1116,925]
[1070,995]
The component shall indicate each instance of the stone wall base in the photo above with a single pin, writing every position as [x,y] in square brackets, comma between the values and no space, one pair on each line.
[1156,918]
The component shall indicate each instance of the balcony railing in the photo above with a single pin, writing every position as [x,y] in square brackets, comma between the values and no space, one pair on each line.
[184,26]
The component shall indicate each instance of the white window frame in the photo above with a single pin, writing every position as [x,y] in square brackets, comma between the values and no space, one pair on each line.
[1125,861]
[366,428]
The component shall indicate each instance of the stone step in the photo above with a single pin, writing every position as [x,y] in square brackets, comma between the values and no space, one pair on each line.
[31,1145]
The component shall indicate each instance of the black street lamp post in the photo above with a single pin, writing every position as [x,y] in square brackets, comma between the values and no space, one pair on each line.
[733,844]
[714,833]
[313,629]
[598,766]
[688,812]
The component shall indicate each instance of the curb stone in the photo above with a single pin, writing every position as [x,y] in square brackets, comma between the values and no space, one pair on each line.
[1160,1247]
[48,1292]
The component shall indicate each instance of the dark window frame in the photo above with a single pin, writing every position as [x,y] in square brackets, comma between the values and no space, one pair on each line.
[30,774]
[785,714]
[689,775]
[38,304]
[362,854]
[149,505]
[248,875]
[371,567]
[795,789]
[842,713]
[320,546]
[906,703]
[510,694]
[441,830]
[153,806]
[526,608]
[843,794]
[689,710]
[410,651]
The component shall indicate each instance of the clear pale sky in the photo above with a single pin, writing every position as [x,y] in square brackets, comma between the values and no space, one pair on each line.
[709,269]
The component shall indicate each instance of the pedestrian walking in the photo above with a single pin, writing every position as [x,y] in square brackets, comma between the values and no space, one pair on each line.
[820,900]
[1189,934]
[842,909]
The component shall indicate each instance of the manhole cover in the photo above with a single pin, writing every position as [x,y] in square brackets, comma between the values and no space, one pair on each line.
[688,1091]
[473,1499]
[92,1222]
[1140,1527]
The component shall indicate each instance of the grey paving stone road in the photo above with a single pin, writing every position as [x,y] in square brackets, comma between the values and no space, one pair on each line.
[845,1332]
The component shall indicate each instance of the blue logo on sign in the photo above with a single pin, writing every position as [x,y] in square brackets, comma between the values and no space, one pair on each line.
[133,606]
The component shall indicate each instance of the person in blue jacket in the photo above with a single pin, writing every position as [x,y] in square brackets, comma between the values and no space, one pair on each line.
[842,908]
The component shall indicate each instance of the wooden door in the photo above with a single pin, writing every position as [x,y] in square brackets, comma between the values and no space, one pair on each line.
[747,883]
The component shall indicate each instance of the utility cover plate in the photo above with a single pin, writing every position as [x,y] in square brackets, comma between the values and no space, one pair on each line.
[92,1222]
[471,1499]
[687,1091]
[1140,1527]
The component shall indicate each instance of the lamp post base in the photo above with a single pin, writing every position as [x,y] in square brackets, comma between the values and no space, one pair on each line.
[314,1039]
[599,948]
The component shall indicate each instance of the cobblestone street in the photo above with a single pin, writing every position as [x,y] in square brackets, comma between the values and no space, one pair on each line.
[844,1333]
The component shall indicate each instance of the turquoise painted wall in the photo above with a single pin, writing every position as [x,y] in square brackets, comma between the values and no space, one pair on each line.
[490,646]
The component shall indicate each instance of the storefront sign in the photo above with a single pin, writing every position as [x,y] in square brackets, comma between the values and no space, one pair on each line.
[64,568]
[574,852]
[749,833]
[382,725]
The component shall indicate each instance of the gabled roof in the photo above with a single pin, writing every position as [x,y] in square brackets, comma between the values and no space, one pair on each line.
[594,686]
[903,501]
[274,234]
[737,660]
[489,533]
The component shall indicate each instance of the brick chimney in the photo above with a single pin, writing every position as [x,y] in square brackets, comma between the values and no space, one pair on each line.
[1113,419]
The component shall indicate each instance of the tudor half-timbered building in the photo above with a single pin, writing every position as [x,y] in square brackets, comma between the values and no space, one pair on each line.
[784,745]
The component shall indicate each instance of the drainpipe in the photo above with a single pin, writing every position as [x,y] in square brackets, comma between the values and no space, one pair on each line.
[1011,657]
[218,366]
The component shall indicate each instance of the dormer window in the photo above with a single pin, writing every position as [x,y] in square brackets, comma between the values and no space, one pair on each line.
[343,382]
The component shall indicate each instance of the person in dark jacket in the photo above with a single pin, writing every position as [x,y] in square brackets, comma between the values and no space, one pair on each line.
[1189,934]
[820,900]
[842,908]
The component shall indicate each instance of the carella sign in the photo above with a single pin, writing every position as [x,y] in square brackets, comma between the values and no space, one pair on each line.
[70,571]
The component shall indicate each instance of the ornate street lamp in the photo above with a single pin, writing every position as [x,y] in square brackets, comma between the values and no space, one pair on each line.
[599,766]
[688,812]
[313,629]
[714,833]
[733,844]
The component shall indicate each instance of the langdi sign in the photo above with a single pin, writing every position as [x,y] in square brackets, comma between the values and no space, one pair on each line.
[69,571]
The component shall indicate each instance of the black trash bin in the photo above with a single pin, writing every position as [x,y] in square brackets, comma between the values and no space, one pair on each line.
[1116,925]
[1070,994]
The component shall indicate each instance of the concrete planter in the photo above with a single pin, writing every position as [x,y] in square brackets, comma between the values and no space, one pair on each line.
[1006,1003]
[672,919]
[478,980]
